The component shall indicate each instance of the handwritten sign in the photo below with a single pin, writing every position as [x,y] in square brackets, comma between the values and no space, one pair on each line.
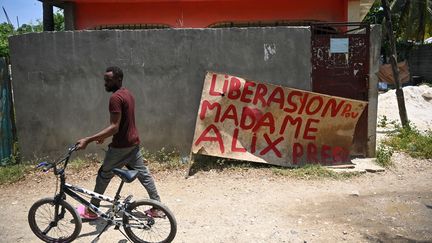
[252,121]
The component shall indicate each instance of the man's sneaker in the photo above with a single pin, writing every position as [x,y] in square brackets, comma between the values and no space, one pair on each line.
[155,213]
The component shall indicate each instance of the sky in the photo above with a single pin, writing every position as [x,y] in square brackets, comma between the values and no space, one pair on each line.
[28,11]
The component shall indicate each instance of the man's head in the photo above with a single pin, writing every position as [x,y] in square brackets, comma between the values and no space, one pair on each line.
[113,79]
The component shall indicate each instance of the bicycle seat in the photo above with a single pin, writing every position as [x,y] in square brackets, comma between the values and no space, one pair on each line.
[126,175]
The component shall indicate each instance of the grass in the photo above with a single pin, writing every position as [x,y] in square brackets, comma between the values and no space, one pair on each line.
[411,141]
[164,159]
[383,156]
[313,172]
[13,173]
[16,172]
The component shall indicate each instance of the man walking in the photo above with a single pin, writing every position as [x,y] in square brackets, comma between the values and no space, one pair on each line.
[124,148]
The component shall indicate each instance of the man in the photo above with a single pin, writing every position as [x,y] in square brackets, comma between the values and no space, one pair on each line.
[124,148]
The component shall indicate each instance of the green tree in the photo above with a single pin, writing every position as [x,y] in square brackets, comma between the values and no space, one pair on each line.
[411,19]
[393,61]
[59,24]
[375,14]
[6,30]
[414,19]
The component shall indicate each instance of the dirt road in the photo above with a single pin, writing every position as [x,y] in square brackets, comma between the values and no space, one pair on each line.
[253,205]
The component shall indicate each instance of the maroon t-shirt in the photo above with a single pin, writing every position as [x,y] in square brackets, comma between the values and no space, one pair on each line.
[127,136]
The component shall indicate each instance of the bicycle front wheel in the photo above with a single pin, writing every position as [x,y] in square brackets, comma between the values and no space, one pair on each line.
[54,222]
[149,221]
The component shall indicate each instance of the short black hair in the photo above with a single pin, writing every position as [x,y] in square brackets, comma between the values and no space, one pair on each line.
[117,72]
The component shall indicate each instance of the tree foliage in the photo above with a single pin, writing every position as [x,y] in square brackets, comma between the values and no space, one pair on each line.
[411,19]
[7,30]
[414,18]
[59,24]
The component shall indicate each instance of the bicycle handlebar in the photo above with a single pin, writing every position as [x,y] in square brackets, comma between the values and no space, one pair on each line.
[47,165]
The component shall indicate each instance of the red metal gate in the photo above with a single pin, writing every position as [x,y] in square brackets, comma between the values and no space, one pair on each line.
[340,67]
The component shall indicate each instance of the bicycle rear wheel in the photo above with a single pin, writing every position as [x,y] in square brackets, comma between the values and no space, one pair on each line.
[141,226]
[54,222]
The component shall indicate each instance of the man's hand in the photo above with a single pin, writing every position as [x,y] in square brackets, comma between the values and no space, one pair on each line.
[82,143]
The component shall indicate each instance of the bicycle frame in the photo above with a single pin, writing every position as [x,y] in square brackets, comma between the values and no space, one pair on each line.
[68,189]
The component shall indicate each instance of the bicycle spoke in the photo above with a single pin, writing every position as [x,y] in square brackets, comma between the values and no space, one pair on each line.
[47,230]
[142,226]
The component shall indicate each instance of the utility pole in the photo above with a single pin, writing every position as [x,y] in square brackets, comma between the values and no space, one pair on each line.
[393,61]
[7,17]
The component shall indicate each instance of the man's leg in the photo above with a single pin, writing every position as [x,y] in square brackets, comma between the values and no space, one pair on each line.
[114,158]
[136,162]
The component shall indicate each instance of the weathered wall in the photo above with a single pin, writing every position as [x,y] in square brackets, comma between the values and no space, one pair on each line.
[58,78]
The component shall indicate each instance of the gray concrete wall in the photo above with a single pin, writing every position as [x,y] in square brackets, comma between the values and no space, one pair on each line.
[374,55]
[59,92]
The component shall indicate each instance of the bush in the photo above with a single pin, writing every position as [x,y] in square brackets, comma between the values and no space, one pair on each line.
[411,141]
[383,156]
[13,173]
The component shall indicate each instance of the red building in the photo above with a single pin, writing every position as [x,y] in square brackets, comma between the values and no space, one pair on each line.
[99,14]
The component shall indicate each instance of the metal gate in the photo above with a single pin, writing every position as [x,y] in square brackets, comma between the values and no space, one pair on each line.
[6,111]
[340,67]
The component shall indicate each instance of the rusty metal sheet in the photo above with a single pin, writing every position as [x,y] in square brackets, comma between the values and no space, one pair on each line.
[385,73]
[254,121]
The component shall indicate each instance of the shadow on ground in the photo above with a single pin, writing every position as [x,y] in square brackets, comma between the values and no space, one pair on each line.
[206,163]
[385,237]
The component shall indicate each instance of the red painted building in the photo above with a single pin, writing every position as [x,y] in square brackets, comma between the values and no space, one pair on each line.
[97,14]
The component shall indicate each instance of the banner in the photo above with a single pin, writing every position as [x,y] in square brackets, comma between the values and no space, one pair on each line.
[252,121]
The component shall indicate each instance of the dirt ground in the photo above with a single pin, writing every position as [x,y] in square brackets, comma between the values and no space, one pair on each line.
[254,205]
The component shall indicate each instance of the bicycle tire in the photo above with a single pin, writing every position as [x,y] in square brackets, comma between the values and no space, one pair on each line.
[138,209]
[42,212]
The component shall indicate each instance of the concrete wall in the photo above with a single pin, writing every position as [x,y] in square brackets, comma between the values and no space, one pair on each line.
[374,55]
[58,78]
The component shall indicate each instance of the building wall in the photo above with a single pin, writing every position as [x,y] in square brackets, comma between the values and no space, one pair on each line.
[354,11]
[202,13]
[59,88]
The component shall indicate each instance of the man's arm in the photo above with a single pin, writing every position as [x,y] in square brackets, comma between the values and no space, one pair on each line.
[102,135]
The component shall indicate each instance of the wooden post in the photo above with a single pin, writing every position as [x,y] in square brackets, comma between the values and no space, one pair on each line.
[393,61]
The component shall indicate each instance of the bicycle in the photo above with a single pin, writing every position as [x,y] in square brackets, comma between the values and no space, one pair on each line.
[55,220]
